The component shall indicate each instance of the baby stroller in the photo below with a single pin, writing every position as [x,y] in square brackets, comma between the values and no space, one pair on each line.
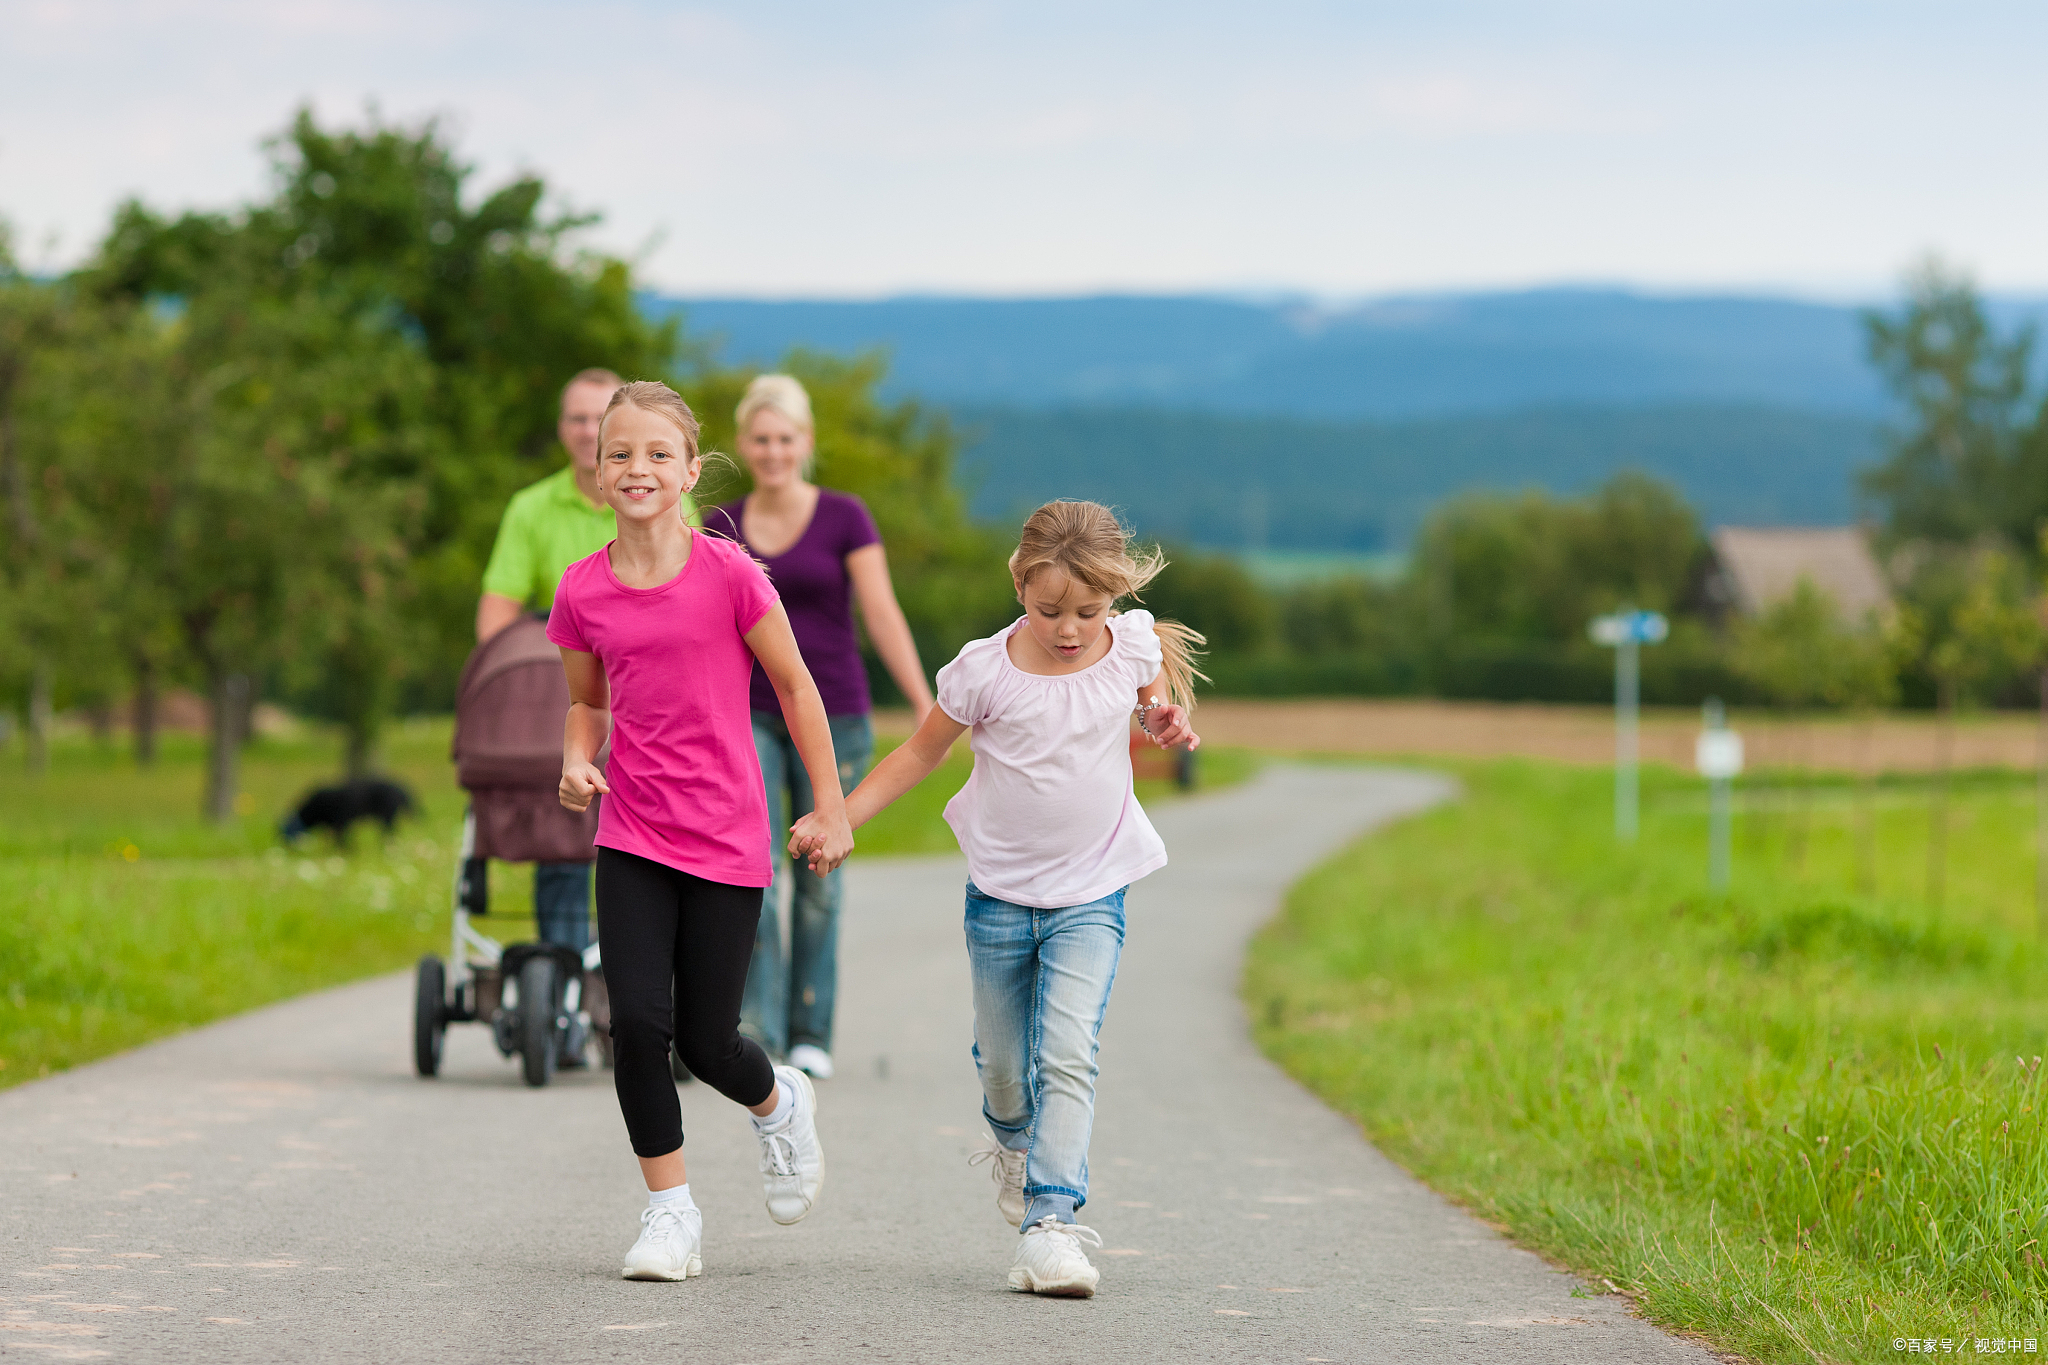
[543,1001]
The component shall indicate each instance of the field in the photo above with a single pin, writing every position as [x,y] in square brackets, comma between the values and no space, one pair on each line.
[1894,742]
[1802,1120]
[127,918]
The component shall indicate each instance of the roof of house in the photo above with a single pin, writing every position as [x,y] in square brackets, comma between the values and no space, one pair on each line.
[1763,565]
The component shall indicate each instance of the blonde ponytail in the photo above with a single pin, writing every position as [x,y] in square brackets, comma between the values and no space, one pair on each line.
[1086,542]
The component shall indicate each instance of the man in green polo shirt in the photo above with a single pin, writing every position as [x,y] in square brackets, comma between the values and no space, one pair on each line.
[547,527]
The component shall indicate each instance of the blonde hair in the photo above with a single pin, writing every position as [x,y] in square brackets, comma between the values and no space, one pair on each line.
[1086,542]
[651,395]
[785,396]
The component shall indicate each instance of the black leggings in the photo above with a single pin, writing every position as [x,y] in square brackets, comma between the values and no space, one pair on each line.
[676,949]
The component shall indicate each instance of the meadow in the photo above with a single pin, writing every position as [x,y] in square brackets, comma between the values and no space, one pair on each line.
[1801,1119]
[126,917]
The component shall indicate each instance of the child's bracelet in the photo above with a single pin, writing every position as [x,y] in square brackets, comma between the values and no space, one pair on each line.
[1144,710]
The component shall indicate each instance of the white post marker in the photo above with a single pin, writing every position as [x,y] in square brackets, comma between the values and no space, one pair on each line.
[1626,631]
[1718,756]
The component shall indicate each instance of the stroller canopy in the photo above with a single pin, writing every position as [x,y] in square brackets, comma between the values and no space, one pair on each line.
[509,709]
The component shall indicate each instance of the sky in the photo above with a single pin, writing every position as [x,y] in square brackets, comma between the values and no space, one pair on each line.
[1331,149]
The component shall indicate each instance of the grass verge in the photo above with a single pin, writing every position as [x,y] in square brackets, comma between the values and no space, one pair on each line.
[1801,1121]
[124,917]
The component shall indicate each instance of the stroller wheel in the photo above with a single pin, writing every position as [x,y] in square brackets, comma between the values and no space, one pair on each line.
[429,1016]
[537,1010]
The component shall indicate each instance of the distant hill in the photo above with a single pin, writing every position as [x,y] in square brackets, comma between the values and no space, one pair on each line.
[1242,483]
[1345,423]
[1388,359]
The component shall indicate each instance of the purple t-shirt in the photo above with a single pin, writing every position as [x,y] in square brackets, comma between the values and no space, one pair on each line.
[817,592]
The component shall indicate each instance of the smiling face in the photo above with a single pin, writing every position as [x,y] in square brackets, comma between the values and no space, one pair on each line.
[644,465]
[1065,617]
[775,449]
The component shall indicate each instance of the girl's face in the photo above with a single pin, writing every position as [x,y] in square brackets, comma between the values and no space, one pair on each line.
[643,465]
[1065,617]
[775,449]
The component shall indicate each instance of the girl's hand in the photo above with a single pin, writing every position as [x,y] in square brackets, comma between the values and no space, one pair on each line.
[1168,726]
[823,841]
[581,782]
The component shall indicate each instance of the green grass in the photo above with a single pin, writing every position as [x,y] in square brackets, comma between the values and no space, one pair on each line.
[124,917]
[1797,1120]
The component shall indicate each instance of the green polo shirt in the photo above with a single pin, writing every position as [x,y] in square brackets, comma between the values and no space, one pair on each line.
[547,527]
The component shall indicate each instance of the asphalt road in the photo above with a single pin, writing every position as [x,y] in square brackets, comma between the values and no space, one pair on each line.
[280,1187]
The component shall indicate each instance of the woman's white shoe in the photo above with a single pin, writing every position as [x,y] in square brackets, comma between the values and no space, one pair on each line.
[1006,1168]
[812,1060]
[1050,1260]
[670,1240]
[792,1162]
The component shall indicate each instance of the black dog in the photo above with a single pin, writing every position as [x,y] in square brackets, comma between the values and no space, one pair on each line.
[336,808]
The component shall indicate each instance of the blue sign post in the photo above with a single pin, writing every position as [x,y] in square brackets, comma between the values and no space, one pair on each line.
[1626,631]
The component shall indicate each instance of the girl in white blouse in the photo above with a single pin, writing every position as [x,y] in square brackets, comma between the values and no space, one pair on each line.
[1053,835]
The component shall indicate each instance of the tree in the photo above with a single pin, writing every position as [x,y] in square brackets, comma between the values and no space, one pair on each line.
[1801,652]
[1533,567]
[484,304]
[1953,472]
[1992,630]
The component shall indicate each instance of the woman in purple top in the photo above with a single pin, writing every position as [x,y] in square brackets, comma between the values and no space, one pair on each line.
[824,557]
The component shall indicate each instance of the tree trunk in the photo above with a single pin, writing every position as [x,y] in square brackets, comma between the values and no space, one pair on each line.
[39,717]
[1799,739]
[2041,814]
[1937,824]
[230,697]
[145,712]
[1866,819]
[361,744]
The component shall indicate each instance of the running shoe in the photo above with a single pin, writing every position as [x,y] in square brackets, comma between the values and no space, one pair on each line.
[1006,1168]
[812,1060]
[792,1162]
[669,1245]
[1050,1260]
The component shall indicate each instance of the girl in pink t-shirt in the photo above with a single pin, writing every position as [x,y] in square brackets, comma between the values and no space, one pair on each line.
[1054,836]
[659,632]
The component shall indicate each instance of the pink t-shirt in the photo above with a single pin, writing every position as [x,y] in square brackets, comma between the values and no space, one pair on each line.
[1048,817]
[686,786]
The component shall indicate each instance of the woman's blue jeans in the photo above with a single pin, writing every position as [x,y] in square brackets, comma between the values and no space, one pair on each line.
[1041,987]
[790,1001]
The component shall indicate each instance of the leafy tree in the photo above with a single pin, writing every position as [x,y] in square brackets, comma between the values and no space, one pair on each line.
[486,306]
[1532,567]
[1953,473]
[1801,652]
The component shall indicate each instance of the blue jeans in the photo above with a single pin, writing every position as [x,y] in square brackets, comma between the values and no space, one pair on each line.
[1041,987]
[791,1003]
[561,904]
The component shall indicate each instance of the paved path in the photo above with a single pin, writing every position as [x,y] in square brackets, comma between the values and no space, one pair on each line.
[279,1187]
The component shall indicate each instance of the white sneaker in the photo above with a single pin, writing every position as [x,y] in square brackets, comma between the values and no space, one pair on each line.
[812,1060]
[792,1162]
[1006,1168]
[670,1239]
[1050,1260]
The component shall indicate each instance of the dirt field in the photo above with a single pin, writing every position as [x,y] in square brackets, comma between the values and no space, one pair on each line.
[1585,734]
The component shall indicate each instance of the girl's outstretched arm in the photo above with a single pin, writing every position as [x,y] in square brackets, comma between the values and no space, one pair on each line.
[583,733]
[909,764]
[804,712]
[1168,725]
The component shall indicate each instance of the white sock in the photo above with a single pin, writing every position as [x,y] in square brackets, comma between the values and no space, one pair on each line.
[785,1105]
[677,1198]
